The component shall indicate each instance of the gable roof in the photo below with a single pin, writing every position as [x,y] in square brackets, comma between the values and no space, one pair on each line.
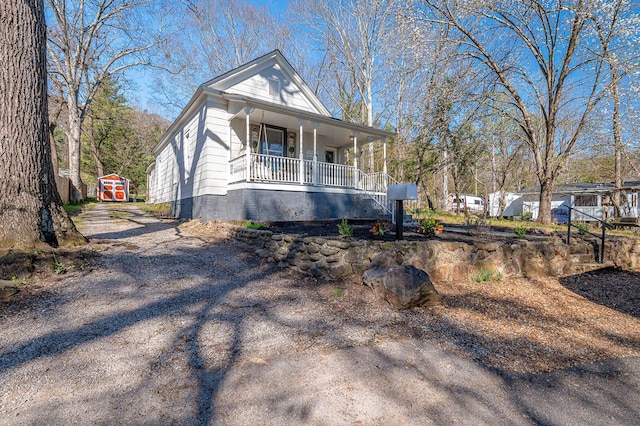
[215,87]
[225,81]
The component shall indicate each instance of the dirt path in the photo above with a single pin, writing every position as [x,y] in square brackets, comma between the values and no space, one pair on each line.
[169,328]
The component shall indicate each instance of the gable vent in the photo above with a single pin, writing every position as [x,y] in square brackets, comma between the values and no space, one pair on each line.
[274,87]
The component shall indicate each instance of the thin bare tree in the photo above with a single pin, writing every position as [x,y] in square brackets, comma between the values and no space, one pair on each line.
[88,42]
[219,35]
[615,25]
[351,35]
[542,61]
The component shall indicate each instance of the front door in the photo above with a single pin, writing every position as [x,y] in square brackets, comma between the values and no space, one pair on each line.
[328,172]
[330,155]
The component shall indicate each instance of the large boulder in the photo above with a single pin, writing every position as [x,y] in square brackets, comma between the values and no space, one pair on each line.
[404,287]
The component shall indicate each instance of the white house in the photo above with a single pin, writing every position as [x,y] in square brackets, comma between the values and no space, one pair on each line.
[512,204]
[256,144]
[590,201]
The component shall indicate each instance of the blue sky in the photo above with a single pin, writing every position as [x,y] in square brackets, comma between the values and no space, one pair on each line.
[140,94]
[275,5]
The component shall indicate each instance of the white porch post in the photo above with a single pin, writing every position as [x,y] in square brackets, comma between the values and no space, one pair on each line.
[384,162]
[301,154]
[355,159]
[384,155]
[248,112]
[230,152]
[315,153]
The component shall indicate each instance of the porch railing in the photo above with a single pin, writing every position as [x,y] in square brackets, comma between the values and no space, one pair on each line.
[238,170]
[329,174]
[269,168]
[275,169]
[375,186]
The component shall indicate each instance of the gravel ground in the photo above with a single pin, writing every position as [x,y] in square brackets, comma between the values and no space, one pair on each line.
[178,325]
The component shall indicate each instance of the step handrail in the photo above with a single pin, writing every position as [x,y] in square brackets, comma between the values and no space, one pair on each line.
[602,237]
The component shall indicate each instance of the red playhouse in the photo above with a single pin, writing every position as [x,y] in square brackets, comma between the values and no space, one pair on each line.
[113,188]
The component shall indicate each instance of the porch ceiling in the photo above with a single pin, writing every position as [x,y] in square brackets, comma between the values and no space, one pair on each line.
[335,130]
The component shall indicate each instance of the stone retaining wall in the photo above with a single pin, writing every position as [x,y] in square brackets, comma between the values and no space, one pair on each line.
[443,260]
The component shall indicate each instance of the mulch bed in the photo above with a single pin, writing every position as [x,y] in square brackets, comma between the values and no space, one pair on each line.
[361,231]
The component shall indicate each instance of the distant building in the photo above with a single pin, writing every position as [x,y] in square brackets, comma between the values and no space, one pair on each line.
[593,199]
[113,187]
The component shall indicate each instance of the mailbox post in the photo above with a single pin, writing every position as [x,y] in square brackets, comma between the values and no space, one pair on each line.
[399,193]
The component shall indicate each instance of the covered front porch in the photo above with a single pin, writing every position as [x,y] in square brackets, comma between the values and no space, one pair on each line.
[275,144]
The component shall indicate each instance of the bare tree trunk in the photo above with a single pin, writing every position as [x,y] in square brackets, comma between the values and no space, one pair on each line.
[73,138]
[54,151]
[445,180]
[30,206]
[95,151]
[544,208]
[617,140]
[53,120]
[370,124]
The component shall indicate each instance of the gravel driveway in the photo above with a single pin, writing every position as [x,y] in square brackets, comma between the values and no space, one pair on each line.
[170,328]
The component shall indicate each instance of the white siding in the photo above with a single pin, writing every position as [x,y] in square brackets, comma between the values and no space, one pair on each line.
[165,171]
[195,162]
[152,187]
[257,86]
[237,137]
[216,154]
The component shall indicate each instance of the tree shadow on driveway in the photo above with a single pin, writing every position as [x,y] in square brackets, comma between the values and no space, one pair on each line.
[194,331]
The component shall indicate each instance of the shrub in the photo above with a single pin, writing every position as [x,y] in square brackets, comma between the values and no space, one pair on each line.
[58,267]
[525,216]
[429,227]
[345,229]
[520,231]
[583,228]
[486,275]
[380,228]
[255,225]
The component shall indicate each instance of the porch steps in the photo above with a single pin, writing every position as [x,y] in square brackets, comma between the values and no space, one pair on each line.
[370,209]
[375,211]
